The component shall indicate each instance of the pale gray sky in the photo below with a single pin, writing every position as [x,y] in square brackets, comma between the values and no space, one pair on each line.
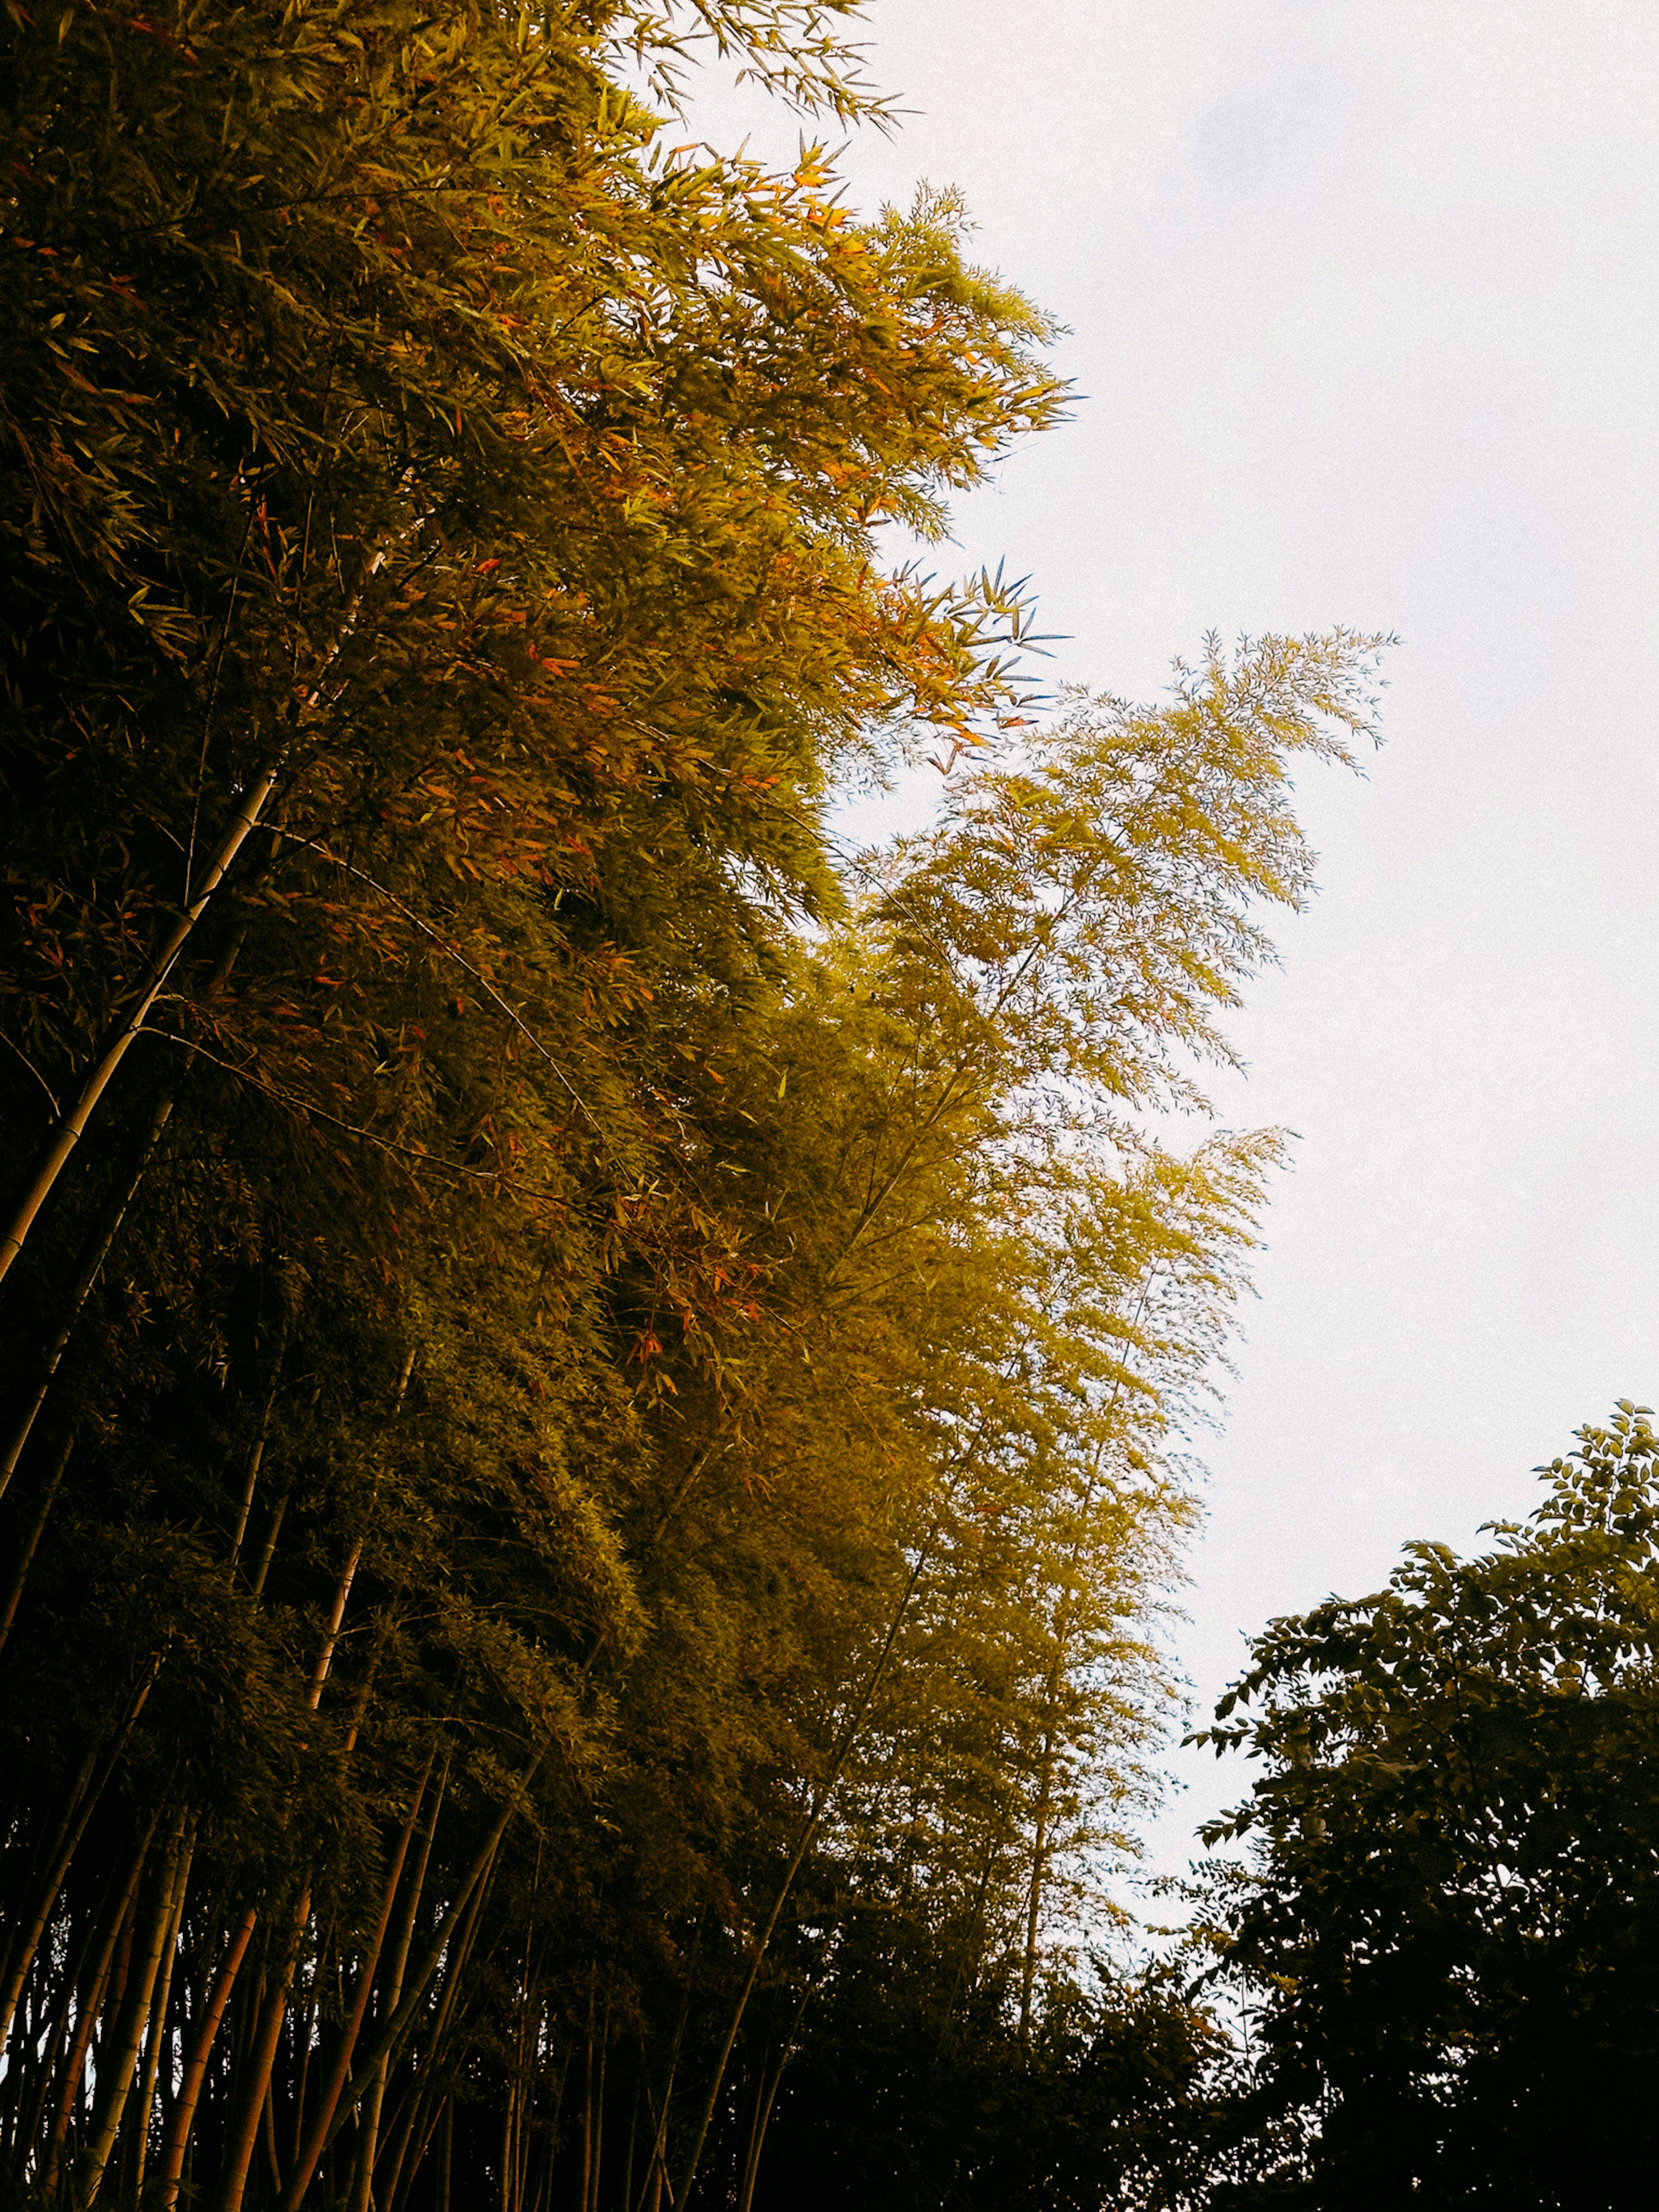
[1362,301]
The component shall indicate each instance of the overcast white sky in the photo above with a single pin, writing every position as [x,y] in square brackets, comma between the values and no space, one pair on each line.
[1362,301]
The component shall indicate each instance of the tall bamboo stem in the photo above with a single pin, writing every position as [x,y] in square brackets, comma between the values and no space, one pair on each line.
[73,2080]
[94,1254]
[243,2135]
[425,2085]
[32,1536]
[71,1124]
[196,2065]
[87,1788]
[119,2055]
[311,2148]
[391,2036]
[159,2014]
[820,1806]
[256,1455]
[369,2121]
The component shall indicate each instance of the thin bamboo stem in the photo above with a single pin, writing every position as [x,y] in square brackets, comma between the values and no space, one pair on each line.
[71,1124]
[821,1805]
[656,2173]
[332,1634]
[368,2124]
[310,2149]
[32,1536]
[425,2084]
[598,2107]
[267,1550]
[87,1788]
[73,2080]
[256,1455]
[118,2057]
[751,2167]
[391,2036]
[94,1252]
[159,2014]
[243,2135]
[196,2065]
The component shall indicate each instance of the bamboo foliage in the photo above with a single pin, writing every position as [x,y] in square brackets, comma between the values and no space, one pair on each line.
[598,1393]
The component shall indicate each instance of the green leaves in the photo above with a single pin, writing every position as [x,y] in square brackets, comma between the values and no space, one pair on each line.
[1102,888]
[1456,1854]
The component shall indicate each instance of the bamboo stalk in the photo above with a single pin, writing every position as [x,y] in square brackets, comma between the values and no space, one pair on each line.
[268,2116]
[242,2136]
[73,2080]
[159,2014]
[757,2142]
[1039,1861]
[71,1124]
[656,2170]
[1050,1692]
[244,2132]
[195,2068]
[310,2149]
[752,2171]
[391,2036]
[369,2122]
[543,2188]
[821,1805]
[258,1451]
[518,2149]
[398,2181]
[628,2156]
[32,1536]
[510,2159]
[412,2116]
[305,2034]
[540,2020]
[587,2096]
[30,2116]
[94,1252]
[425,2083]
[598,2108]
[267,1550]
[754,2130]
[117,2059]
[332,1634]
[524,2136]
[656,2174]
[85,1791]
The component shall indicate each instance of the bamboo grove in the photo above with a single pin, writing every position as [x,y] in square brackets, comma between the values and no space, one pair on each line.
[594,1383]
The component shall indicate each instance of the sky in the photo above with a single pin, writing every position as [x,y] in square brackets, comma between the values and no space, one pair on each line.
[1363,318]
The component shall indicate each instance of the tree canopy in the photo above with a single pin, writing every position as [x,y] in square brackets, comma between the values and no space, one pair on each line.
[1447,1935]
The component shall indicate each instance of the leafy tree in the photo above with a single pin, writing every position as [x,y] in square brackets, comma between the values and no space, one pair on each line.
[1448,1938]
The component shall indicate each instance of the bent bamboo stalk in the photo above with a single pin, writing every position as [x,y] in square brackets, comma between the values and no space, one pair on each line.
[71,1124]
